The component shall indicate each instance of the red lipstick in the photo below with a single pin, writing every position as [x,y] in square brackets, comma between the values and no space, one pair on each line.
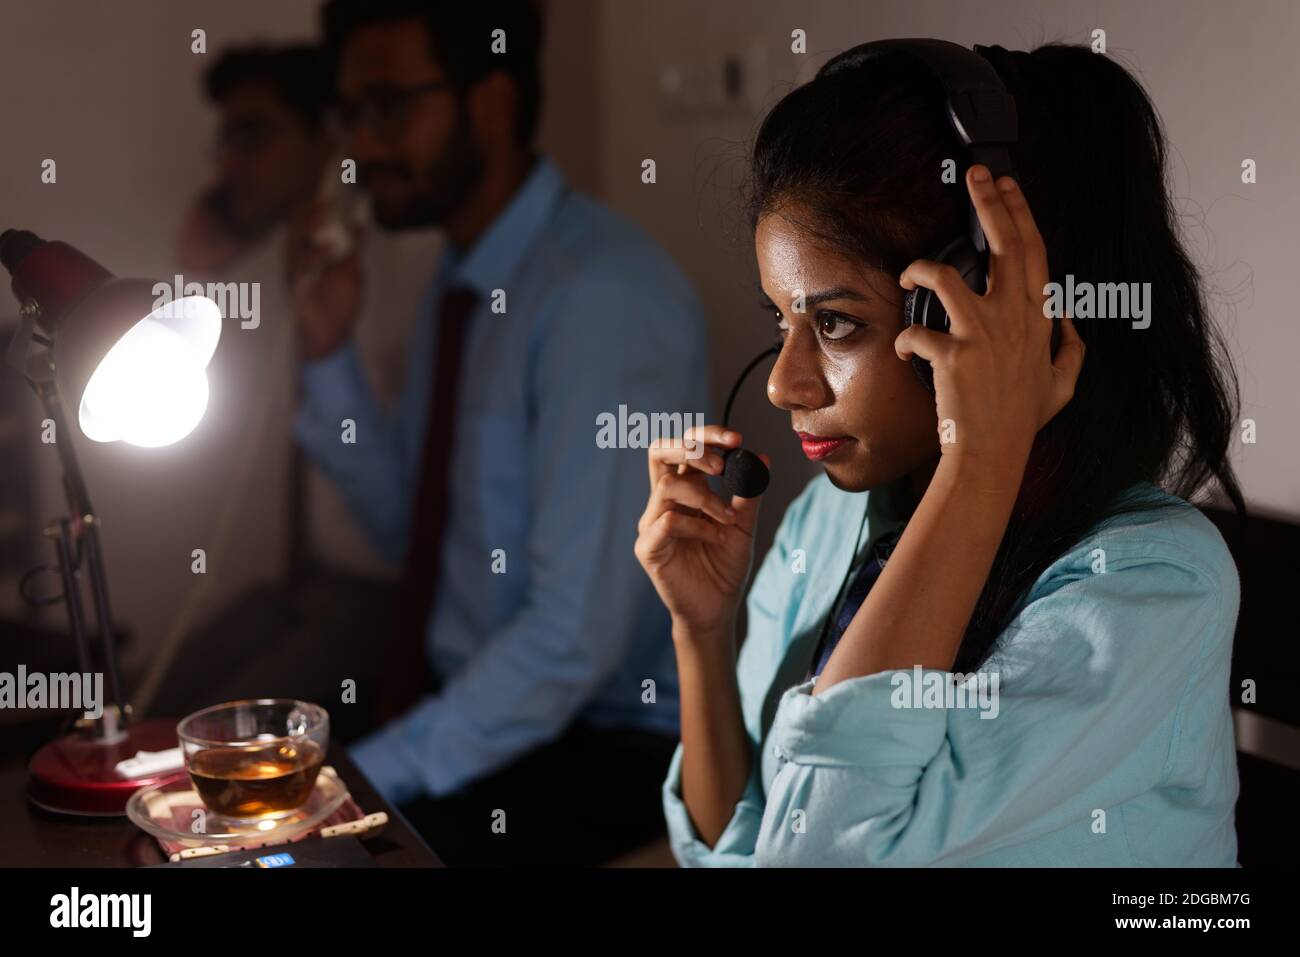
[818,447]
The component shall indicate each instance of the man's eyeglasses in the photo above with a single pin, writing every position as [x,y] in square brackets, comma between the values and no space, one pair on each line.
[384,113]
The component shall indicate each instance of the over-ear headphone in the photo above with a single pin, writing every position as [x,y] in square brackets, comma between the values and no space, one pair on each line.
[982,112]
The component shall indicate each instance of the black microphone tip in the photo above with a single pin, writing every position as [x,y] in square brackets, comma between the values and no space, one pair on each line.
[744,474]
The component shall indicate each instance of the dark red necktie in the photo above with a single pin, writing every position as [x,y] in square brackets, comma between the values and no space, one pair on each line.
[406,671]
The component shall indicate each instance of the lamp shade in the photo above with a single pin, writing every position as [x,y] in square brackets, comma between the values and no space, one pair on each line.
[131,362]
[134,367]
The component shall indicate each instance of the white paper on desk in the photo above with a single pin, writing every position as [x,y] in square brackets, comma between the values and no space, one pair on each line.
[146,763]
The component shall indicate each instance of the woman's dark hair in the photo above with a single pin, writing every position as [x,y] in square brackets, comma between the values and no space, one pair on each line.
[854,158]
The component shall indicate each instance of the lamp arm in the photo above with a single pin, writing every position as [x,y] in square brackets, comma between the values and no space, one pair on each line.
[83,530]
[94,562]
[74,481]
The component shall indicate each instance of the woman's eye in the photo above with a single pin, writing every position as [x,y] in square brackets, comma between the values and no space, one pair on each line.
[833,326]
[782,326]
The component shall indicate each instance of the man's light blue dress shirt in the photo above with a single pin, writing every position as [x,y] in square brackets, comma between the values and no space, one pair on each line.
[1111,744]
[595,316]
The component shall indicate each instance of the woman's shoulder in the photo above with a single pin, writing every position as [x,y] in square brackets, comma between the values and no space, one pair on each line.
[1151,528]
[1128,636]
[1144,587]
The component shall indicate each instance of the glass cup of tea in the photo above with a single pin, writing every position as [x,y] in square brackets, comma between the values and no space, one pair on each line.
[255,759]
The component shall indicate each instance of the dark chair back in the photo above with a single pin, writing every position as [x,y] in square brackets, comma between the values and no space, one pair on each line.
[1267,653]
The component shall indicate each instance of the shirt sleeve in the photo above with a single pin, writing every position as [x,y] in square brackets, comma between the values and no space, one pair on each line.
[1091,695]
[366,460]
[766,627]
[587,596]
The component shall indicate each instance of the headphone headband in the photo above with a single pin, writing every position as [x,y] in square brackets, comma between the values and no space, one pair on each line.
[982,112]
[981,109]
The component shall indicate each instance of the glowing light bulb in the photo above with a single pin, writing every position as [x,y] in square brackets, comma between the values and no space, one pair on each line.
[151,389]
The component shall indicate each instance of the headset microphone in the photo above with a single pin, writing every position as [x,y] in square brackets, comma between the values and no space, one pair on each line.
[743,473]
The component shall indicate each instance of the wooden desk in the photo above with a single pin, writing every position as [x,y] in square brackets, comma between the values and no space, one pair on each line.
[36,838]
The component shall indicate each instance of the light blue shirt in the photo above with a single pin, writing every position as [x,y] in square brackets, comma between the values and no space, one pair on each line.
[1111,743]
[542,614]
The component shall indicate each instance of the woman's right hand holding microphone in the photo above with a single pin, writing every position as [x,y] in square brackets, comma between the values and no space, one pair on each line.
[696,546]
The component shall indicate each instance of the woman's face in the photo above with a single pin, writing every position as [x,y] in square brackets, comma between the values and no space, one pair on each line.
[857,407]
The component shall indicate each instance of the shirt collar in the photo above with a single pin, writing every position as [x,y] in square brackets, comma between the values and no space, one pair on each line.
[496,254]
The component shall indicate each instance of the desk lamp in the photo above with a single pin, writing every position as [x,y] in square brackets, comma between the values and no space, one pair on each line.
[133,367]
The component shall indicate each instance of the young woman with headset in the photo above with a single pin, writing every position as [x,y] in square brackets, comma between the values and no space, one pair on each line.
[1022,657]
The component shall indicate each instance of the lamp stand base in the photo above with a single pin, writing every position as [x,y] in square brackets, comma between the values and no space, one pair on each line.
[75,774]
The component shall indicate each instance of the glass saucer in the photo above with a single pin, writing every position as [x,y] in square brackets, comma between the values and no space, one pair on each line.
[166,811]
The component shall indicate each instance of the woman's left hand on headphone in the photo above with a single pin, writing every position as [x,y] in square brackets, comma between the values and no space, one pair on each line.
[996,382]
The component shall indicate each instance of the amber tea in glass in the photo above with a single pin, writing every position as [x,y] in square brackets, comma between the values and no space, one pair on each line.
[250,782]
[255,759]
